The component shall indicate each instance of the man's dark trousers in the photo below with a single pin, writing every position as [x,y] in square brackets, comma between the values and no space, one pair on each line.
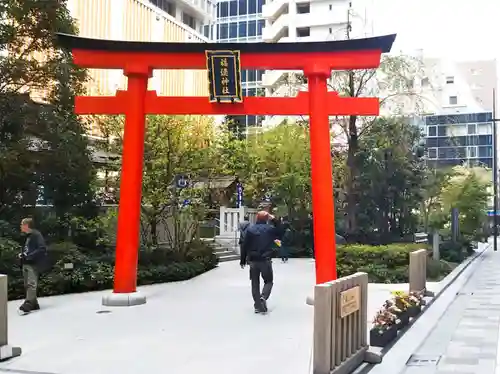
[257,269]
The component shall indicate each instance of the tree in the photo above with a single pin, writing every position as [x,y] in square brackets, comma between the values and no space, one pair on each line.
[174,145]
[434,181]
[392,174]
[468,190]
[16,161]
[282,168]
[33,64]
[393,83]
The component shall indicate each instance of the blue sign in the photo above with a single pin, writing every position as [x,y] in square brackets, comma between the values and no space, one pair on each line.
[455,231]
[491,213]
[181,181]
[224,76]
[239,195]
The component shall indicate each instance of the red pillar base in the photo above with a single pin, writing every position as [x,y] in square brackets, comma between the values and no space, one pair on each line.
[124,299]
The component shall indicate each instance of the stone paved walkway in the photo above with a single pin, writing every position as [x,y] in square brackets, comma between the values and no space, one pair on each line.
[466,338]
[204,325]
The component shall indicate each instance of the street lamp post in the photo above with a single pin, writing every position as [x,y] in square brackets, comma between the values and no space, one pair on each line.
[495,175]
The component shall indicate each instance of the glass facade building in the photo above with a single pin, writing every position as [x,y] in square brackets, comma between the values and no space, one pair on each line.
[240,21]
[459,138]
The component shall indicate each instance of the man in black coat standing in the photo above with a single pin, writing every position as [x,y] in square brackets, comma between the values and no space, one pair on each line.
[34,259]
[257,251]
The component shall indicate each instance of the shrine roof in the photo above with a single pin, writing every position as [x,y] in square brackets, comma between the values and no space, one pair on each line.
[380,43]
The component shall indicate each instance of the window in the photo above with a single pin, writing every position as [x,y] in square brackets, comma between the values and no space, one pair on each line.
[471,129]
[425,82]
[330,7]
[223,9]
[471,152]
[252,28]
[223,30]
[233,8]
[188,20]
[453,100]
[485,140]
[303,32]
[450,80]
[432,153]
[441,130]
[242,29]
[303,8]
[432,130]
[431,142]
[260,26]
[252,76]
[252,7]
[485,151]
[242,9]
[233,30]
[164,5]
[330,30]
[259,5]
[484,129]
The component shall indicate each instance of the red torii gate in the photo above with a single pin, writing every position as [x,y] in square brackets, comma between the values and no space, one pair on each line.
[138,59]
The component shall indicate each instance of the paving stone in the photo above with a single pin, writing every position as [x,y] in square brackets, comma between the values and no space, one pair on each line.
[460,360]
[469,330]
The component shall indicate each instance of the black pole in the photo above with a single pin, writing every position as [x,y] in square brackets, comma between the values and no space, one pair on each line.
[495,176]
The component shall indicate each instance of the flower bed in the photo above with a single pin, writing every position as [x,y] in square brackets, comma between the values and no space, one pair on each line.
[396,313]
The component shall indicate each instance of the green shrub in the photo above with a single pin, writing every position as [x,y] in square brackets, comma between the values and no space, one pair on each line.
[455,251]
[383,264]
[93,269]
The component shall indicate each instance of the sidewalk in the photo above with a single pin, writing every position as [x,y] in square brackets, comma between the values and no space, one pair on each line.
[466,338]
[203,325]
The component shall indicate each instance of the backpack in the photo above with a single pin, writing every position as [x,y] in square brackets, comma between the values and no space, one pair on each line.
[243,230]
[288,237]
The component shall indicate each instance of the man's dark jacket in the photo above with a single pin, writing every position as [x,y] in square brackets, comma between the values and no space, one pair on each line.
[35,250]
[258,243]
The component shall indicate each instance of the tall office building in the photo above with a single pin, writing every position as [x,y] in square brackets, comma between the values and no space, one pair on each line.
[308,21]
[457,99]
[240,21]
[145,20]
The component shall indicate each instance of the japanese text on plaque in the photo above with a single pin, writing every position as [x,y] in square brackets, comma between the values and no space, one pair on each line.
[224,76]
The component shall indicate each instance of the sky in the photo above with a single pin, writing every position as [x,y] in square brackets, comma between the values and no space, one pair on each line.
[453,29]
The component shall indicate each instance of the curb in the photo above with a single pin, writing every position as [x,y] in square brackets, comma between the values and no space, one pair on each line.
[447,282]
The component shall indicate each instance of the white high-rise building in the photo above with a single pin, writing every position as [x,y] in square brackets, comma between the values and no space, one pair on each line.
[443,86]
[308,21]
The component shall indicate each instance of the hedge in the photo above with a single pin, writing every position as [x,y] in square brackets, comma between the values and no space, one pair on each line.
[93,268]
[383,264]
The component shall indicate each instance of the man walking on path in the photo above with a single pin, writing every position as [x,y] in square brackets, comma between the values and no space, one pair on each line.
[242,227]
[33,259]
[257,251]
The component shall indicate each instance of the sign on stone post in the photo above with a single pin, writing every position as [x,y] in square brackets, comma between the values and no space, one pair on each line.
[6,351]
[350,301]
